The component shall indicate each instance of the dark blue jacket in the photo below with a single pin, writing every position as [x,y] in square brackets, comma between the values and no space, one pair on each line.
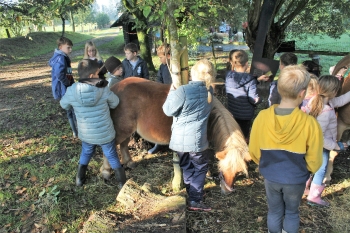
[241,93]
[163,75]
[61,73]
[189,107]
[140,69]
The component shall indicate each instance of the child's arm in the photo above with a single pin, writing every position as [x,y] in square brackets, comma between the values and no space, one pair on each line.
[254,146]
[314,147]
[274,95]
[252,93]
[65,101]
[60,72]
[112,99]
[340,100]
[323,119]
[174,102]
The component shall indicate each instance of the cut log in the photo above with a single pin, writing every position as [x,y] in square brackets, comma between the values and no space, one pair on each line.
[156,212]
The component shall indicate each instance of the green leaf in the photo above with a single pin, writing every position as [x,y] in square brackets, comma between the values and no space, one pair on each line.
[42,193]
[32,9]
[146,11]
[201,14]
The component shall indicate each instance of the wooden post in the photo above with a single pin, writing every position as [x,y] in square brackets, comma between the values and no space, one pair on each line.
[184,60]
[177,182]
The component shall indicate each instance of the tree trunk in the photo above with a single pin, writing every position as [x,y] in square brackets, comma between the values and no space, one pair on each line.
[145,50]
[8,33]
[72,21]
[63,25]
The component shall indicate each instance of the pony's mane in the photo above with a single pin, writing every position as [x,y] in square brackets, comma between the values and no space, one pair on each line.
[227,136]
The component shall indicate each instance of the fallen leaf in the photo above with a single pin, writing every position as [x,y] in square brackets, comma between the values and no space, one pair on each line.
[38,225]
[26,175]
[6,177]
[33,179]
[259,219]
[21,191]
[7,185]
[51,180]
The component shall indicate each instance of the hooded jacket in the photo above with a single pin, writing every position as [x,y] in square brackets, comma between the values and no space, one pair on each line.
[140,69]
[241,94]
[91,100]
[61,73]
[189,107]
[286,147]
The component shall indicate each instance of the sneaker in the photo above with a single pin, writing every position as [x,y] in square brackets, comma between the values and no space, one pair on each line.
[192,205]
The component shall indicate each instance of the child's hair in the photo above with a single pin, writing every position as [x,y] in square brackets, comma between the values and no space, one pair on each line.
[328,85]
[239,58]
[164,50]
[229,66]
[64,40]
[288,59]
[204,70]
[112,64]
[132,47]
[292,80]
[312,67]
[91,45]
[312,87]
[86,67]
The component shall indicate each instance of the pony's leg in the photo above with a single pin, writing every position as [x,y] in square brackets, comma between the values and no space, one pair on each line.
[178,178]
[105,169]
[125,155]
[327,177]
[341,127]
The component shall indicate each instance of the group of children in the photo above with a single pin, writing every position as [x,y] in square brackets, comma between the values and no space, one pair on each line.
[299,129]
[294,144]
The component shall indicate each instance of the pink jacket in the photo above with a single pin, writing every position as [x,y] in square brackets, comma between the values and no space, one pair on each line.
[328,120]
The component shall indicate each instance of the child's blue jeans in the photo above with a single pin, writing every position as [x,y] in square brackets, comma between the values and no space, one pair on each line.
[319,175]
[109,150]
[283,202]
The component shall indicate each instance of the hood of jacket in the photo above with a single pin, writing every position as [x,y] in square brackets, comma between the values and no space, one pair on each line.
[285,129]
[56,56]
[89,91]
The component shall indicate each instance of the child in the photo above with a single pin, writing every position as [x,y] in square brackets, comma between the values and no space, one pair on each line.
[286,59]
[91,52]
[163,76]
[241,92]
[190,106]
[91,100]
[115,69]
[133,65]
[321,106]
[289,151]
[62,77]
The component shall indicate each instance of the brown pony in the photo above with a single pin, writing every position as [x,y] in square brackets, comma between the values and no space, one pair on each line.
[140,110]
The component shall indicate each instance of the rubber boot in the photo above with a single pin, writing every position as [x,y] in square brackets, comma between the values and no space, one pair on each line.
[307,186]
[81,175]
[73,125]
[314,197]
[120,176]
[155,149]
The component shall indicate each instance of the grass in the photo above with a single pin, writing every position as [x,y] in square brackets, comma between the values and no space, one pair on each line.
[38,161]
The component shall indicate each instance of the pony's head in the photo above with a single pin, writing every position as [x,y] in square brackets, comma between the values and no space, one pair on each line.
[230,145]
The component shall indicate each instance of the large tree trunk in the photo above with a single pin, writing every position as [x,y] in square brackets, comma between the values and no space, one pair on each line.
[145,50]
[72,21]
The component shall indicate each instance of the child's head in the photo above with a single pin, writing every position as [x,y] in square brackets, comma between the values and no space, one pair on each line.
[114,66]
[229,64]
[292,80]
[91,52]
[312,67]
[239,58]
[328,87]
[88,69]
[163,53]
[65,45]
[131,50]
[204,71]
[288,59]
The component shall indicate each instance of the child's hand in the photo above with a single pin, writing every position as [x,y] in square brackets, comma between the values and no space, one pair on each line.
[172,87]
[263,78]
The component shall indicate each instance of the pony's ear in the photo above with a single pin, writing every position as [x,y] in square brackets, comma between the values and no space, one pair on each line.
[221,155]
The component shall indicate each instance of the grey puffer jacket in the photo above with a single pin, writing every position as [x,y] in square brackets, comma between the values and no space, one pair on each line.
[241,95]
[190,110]
[91,106]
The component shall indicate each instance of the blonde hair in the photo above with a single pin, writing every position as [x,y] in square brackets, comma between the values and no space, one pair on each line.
[292,80]
[328,86]
[204,70]
[88,45]
[312,87]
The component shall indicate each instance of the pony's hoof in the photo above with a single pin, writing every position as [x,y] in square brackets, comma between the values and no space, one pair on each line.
[131,164]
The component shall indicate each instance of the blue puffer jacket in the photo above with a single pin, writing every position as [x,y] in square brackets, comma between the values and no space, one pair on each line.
[61,73]
[91,106]
[241,93]
[190,110]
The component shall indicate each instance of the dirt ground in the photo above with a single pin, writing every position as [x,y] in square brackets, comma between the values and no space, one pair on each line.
[28,83]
